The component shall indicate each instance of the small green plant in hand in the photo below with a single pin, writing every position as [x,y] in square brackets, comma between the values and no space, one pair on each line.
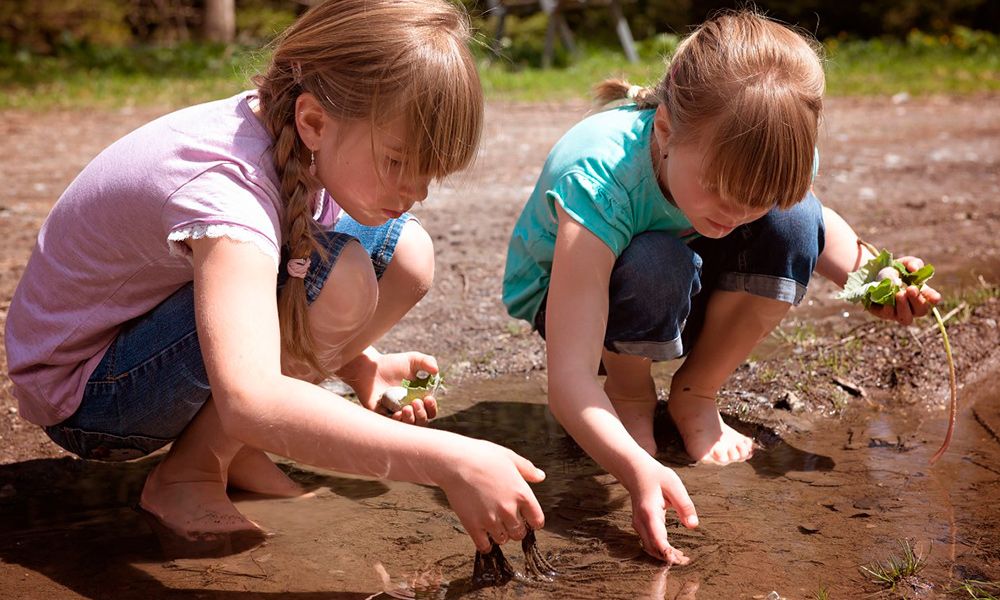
[422,385]
[880,279]
[876,283]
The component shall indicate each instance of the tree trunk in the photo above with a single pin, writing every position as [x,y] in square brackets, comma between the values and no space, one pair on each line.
[220,20]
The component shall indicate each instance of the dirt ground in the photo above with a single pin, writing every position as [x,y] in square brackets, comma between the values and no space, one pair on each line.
[918,176]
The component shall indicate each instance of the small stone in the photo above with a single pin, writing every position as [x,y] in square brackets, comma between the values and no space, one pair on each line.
[866,193]
[901,98]
[773,596]
[808,528]
[12,410]
[991,323]
[392,398]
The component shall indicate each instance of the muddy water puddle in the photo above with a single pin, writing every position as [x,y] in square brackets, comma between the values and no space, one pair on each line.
[801,516]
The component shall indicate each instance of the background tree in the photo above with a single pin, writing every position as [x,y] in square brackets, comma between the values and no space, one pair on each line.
[220,21]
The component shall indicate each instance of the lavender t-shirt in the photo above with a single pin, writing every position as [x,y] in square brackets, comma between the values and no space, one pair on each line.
[113,246]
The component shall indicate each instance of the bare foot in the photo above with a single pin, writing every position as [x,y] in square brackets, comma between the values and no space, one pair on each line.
[195,517]
[706,437]
[252,471]
[636,414]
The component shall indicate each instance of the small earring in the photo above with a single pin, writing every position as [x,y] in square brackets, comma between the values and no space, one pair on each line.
[312,164]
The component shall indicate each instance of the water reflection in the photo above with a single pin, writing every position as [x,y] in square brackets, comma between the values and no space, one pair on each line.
[804,512]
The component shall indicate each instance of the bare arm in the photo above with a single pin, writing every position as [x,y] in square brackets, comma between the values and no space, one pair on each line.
[842,253]
[237,323]
[575,326]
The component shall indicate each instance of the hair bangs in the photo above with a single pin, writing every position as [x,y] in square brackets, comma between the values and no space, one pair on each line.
[760,154]
[444,109]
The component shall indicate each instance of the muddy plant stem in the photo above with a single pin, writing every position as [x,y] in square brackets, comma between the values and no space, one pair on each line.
[953,385]
[952,382]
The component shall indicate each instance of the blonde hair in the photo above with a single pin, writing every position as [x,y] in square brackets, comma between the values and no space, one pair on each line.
[749,92]
[373,60]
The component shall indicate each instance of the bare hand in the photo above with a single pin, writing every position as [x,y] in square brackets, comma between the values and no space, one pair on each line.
[659,489]
[371,378]
[911,302]
[489,492]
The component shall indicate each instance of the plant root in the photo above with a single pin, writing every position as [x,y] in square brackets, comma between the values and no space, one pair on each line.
[491,569]
[535,564]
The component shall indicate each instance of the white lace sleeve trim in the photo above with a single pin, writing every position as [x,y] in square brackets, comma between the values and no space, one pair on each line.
[234,232]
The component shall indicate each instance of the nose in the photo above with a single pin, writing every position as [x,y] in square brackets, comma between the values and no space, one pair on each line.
[415,190]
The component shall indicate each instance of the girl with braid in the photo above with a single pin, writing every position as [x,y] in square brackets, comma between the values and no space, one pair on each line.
[203,273]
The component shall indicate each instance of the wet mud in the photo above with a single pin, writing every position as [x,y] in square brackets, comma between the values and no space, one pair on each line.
[802,516]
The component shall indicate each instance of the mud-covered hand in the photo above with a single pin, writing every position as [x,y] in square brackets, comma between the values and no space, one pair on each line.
[910,302]
[371,374]
[656,489]
[488,490]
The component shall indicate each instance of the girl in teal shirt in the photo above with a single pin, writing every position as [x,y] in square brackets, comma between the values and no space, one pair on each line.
[681,224]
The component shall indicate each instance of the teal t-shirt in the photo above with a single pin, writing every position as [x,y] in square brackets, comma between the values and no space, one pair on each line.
[601,174]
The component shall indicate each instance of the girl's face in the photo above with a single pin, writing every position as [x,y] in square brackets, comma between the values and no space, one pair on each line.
[360,166]
[679,173]
[709,214]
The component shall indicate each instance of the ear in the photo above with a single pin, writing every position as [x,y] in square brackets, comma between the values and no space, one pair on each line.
[310,120]
[661,127]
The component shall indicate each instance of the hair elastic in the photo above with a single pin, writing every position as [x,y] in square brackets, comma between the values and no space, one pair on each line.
[633,92]
[298,267]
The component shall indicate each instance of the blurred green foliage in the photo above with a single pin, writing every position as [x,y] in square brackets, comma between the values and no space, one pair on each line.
[83,55]
[822,18]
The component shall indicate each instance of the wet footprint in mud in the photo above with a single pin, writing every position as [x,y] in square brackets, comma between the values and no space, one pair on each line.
[492,569]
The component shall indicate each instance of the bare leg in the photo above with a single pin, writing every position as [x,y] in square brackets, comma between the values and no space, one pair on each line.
[632,392]
[344,329]
[251,470]
[406,280]
[186,492]
[734,323]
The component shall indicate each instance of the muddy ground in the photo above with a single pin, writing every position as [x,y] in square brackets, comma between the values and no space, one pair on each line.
[860,404]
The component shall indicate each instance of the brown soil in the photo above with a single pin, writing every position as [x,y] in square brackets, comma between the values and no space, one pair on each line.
[919,177]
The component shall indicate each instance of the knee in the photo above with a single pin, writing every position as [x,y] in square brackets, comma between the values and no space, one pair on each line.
[351,290]
[659,268]
[800,229]
[412,268]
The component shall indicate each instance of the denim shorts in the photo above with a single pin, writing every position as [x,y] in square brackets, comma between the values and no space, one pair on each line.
[660,286]
[152,380]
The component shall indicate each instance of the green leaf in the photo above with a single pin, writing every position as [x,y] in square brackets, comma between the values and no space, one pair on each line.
[418,389]
[862,280]
[883,293]
[862,285]
[919,276]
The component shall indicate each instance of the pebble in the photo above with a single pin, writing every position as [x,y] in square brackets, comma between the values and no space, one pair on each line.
[12,410]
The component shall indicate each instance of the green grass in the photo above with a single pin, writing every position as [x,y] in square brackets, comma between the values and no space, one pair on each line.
[895,568]
[979,590]
[87,77]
